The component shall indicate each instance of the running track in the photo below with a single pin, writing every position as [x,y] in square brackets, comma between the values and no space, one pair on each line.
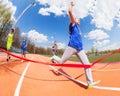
[31,79]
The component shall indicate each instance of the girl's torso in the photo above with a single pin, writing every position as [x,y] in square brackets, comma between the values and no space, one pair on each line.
[75,37]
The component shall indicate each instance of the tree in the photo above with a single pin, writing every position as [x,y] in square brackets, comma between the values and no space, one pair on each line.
[92,50]
[17,38]
[5,23]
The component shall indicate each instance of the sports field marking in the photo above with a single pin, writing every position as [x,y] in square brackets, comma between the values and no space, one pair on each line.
[7,62]
[78,81]
[71,78]
[67,76]
[107,88]
[3,63]
[3,54]
[83,83]
[106,70]
[17,90]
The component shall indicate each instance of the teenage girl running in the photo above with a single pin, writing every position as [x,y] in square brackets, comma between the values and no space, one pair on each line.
[75,46]
[9,42]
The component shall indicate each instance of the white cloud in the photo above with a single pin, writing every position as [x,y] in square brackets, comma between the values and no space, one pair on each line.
[59,7]
[103,12]
[118,18]
[53,6]
[44,11]
[52,37]
[61,45]
[111,47]
[35,36]
[98,44]
[8,4]
[23,34]
[97,35]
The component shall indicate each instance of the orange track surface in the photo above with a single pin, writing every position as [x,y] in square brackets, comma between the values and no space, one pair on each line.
[39,80]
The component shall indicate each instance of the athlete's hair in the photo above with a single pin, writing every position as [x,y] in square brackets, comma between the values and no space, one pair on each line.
[12,30]
[69,30]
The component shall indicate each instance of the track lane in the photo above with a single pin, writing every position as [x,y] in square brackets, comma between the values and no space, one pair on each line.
[56,88]
[8,79]
[49,84]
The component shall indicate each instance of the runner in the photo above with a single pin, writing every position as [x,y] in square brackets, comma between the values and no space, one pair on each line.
[54,48]
[9,42]
[23,47]
[75,46]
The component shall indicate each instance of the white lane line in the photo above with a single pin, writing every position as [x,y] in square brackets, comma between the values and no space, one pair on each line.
[67,76]
[83,83]
[78,81]
[107,88]
[3,63]
[8,62]
[106,70]
[17,90]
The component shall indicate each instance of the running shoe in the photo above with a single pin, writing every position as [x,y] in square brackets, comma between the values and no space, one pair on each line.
[7,59]
[93,84]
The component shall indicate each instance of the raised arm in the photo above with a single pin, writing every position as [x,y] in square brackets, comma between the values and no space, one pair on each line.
[72,18]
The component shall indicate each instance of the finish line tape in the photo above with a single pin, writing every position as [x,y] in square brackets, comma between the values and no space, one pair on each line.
[63,65]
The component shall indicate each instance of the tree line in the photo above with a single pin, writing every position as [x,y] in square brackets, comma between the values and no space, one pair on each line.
[94,52]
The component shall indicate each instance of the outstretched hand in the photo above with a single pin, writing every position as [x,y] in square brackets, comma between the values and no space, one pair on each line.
[70,13]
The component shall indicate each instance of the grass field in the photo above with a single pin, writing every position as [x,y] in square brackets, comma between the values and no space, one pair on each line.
[113,58]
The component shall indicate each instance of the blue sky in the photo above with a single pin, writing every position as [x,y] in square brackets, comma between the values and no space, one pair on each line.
[48,21]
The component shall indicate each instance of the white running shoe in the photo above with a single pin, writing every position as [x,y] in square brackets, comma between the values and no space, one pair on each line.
[93,84]
[22,60]
[52,59]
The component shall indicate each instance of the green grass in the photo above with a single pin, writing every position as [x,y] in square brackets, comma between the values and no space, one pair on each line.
[113,58]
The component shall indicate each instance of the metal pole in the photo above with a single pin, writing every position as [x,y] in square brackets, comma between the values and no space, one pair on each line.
[30,5]
[35,46]
[96,51]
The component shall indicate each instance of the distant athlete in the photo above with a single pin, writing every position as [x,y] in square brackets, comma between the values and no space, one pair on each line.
[23,47]
[75,46]
[9,38]
[54,48]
